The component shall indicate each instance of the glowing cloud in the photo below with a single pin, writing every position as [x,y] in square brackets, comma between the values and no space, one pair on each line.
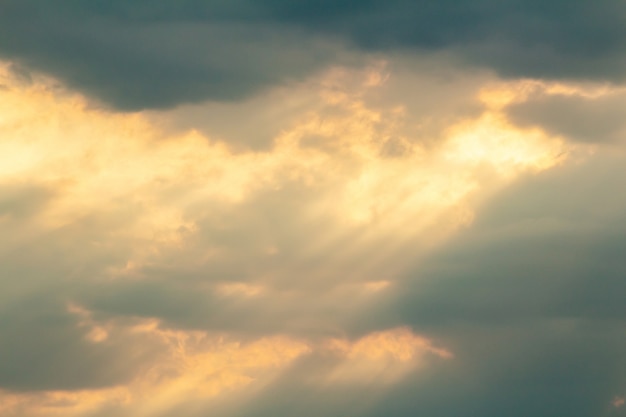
[352,188]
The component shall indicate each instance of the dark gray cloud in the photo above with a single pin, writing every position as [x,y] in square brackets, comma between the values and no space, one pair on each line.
[537,369]
[153,64]
[136,55]
[530,298]
[580,118]
[550,247]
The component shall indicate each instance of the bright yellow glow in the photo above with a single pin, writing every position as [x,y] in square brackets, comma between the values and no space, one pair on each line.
[239,289]
[205,366]
[100,161]
[375,286]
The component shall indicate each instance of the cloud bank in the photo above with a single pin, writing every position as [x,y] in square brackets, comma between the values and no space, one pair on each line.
[158,54]
[330,208]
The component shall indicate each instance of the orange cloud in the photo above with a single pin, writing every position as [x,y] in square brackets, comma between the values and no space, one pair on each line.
[382,357]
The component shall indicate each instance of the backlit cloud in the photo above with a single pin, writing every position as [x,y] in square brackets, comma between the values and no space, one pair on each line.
[336,209]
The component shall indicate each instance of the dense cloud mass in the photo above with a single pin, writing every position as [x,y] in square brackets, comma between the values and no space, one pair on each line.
[157,54]
[589,119]
[331,208]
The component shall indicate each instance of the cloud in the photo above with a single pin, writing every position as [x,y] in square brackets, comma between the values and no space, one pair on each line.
[534,283]
[528,298]
[156,64]
[377,255]
[191,366]
[431,93]
[22,200]
[582,115]
[158,55]
[46,350]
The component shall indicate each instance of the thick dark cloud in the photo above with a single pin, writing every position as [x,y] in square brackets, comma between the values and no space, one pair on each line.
[530,299]
[580,118]
[538,370]
[140,54]
[134,64]
[550,247]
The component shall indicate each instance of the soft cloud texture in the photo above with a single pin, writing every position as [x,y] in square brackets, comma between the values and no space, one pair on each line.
[390,236]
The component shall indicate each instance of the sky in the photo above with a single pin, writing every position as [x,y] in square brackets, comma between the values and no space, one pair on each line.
[268,208]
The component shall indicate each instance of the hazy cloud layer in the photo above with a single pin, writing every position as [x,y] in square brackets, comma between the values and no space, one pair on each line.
[137,55]
[403,238]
